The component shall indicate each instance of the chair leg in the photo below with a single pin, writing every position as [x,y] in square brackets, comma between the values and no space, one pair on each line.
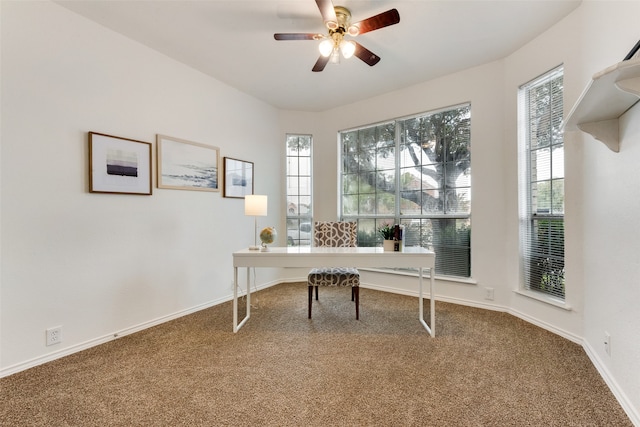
[356,291]
[316,293]
[310,299]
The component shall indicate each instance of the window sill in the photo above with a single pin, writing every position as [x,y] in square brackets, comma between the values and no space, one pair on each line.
[543,298]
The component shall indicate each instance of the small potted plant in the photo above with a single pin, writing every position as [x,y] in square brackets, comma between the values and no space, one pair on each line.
[387,231]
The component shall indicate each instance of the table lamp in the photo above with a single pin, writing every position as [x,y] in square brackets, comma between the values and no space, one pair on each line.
[255,205]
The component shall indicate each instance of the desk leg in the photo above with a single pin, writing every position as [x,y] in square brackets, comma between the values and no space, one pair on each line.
[432,301]
[432,329]
[248,296]
[236,325]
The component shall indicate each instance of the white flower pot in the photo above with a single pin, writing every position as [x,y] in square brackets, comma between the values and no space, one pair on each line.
[387,245]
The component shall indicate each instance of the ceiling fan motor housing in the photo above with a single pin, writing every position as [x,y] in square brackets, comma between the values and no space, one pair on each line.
[343,16]
[337,19]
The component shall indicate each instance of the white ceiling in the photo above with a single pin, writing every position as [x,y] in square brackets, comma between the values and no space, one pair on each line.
[232,41]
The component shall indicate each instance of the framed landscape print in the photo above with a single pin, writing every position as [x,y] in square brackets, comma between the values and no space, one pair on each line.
[238,178]
[119,165]
[186,165]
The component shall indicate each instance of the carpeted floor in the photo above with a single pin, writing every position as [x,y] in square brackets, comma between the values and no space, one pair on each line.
[483,369]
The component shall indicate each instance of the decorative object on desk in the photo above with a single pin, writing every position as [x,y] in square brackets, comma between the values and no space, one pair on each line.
[386,231]
[397,237]
[255,205]
[387,245]
[238,178]
[186,165]
[268,235]
[392,237]
[119,165]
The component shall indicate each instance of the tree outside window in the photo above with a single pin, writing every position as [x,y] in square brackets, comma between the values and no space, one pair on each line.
[415,172]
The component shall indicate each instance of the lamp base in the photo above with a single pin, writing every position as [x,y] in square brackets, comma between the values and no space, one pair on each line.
[254,248]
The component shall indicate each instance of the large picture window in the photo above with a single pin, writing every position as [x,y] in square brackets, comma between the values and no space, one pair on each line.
[299,198]
[541,184]
[415,172]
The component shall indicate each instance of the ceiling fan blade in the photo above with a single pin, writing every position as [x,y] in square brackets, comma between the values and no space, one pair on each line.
[320,64]
[298,36]
[328,13]
[366,55]
[384,19]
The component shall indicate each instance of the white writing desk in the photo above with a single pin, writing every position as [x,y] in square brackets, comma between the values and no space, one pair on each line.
[276,257]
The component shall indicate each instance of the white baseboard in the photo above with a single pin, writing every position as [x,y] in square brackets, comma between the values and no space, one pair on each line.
[622,398]
[544,325]
[484,306]
[49,357]
[602,369]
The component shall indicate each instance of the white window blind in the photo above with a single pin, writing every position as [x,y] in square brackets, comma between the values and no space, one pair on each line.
[541,184]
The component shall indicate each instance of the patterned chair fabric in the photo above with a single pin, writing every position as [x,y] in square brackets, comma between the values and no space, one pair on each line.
[335,234]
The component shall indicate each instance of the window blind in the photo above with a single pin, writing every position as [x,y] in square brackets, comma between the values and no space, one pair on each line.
[541,184]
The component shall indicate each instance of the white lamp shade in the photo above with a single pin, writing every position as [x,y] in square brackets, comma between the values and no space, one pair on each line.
[255,205]
[326,47]
[347,48]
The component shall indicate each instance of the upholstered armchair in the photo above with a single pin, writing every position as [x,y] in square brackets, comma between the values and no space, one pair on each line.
[335,234]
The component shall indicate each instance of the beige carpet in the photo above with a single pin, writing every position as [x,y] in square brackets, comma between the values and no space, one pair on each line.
[483,369]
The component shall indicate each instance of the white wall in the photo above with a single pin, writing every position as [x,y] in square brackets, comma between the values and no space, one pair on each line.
[601,195]
[611,254]
[560,45]
[99,264]
[602,264]
[611,201]
[482,87]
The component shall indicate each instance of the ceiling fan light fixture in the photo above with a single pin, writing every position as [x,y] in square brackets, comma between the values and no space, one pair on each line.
[337,19]
[347,48]
[335,56]
[332,25]
[326,47]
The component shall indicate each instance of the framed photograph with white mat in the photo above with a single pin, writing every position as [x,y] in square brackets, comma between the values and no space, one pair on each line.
[119,165]
[186,165]
[238,178]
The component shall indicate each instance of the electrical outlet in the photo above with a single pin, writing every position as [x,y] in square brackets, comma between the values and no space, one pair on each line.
[488,294]
[607,343]
[54,335]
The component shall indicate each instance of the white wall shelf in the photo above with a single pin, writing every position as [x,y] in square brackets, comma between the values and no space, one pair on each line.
[609,95]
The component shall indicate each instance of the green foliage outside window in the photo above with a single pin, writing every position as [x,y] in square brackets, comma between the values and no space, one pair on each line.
[416,172]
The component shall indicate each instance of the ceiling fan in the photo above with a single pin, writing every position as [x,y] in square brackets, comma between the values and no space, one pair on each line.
[338,22]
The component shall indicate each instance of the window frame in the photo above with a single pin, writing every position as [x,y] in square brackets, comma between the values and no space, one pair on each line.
[541,254]
[423,221]
[299,229]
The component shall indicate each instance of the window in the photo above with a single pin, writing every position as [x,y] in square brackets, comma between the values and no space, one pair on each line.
[299,198]
[415,172]
[541,184]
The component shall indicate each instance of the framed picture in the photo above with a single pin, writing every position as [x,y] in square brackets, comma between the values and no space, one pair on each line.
[119,165]
[186,165]
[238,178]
